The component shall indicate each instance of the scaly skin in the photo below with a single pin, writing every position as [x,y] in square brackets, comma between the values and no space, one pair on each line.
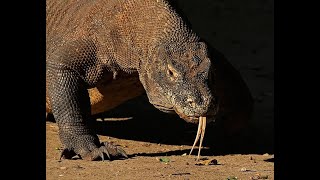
[102,53]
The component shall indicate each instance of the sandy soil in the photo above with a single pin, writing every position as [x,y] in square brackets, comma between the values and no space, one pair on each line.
[145,163]
[243,32]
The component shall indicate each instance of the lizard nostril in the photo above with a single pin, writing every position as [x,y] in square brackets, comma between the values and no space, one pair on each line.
[191,102]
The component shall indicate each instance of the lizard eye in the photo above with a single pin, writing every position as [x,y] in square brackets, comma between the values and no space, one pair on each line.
[172,72]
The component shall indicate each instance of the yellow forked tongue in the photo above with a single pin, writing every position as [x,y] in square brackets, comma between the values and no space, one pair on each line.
[200,133]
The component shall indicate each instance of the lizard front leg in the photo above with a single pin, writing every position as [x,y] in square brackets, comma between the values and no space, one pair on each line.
[72,111]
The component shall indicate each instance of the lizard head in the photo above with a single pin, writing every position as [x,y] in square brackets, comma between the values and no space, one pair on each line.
[177,79]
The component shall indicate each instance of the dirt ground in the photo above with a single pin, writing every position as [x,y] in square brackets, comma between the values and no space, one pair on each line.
[145,163]
[243,32]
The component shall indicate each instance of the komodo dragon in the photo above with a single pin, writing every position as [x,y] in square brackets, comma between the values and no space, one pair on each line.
[104,52]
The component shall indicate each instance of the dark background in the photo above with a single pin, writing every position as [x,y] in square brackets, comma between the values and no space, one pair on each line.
[243,31]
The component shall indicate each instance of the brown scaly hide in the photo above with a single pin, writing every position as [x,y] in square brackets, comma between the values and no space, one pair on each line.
[124,34]
[123,31]
[120,39]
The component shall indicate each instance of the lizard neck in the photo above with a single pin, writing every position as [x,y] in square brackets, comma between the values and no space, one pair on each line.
[140,27]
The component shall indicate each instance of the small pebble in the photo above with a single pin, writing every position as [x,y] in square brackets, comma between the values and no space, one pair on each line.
[243,169]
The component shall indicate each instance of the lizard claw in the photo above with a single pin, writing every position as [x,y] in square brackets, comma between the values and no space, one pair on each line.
[67,154]
[97,153]
[106,148]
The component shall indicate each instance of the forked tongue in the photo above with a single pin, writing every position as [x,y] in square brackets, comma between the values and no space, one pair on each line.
[200,134]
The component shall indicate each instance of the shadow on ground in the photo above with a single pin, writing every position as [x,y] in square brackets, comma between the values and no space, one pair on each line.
[151,125]
[148,124]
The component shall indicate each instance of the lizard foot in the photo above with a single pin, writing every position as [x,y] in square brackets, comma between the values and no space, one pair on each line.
[106,148]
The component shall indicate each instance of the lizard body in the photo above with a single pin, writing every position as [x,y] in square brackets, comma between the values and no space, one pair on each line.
[101,53]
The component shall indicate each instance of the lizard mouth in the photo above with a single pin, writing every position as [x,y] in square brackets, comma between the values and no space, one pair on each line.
[190,119]
[164,109]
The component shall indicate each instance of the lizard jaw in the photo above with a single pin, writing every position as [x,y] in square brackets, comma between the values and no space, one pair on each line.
[164,109]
